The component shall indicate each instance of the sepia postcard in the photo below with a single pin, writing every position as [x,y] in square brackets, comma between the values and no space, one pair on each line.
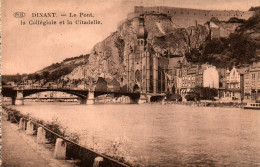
[118,83]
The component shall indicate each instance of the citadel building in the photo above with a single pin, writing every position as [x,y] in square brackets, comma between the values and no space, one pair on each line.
[185,17]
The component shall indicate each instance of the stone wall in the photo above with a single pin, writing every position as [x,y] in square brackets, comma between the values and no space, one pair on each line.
[184,17]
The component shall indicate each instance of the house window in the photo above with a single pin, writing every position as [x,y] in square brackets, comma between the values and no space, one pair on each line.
[253,76]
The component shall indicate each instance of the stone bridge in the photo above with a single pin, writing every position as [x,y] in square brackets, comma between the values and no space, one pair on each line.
[86,96]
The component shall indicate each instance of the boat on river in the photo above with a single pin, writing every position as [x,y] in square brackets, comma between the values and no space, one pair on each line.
[255,106]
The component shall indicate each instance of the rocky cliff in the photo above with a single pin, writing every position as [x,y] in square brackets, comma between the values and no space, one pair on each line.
[199,43]
[108,58]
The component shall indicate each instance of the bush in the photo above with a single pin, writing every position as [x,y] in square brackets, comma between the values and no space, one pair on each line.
[60,72]
[174,97]
[191,97]
[206,93]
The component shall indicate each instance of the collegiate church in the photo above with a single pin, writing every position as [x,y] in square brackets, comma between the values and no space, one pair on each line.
[148,71]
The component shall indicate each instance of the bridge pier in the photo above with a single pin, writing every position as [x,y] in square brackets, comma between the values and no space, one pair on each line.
[19,100]
[148,98]
[13,100]
[91,98]
[83,100]
[142,99]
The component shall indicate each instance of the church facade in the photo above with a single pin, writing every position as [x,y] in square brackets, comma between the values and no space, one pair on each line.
[148,71]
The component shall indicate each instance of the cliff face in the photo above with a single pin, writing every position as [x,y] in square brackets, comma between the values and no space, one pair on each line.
[109,56]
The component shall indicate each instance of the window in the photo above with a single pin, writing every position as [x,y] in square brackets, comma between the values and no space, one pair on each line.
[253,76]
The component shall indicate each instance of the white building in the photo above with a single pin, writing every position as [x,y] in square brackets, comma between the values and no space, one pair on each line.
[233,79]
[211,77]
[232,90]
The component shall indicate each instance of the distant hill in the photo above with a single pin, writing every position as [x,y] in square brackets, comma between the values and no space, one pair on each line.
[50,73]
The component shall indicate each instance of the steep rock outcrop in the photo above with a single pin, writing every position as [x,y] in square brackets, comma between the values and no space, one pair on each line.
[109,56]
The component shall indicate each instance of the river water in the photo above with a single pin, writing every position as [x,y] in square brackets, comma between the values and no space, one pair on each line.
[161,135]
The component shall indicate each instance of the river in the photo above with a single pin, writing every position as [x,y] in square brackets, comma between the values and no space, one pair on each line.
[161,135]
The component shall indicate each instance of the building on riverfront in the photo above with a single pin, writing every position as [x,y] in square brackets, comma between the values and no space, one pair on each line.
[232,88]
[251,84]
[241,84]
[211,77]
[189,76]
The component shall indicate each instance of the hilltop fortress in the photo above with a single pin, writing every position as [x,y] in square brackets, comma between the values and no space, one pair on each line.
[184,17]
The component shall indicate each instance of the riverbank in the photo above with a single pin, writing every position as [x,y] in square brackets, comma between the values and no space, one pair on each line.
[209,104]
[55,130]
[26,152]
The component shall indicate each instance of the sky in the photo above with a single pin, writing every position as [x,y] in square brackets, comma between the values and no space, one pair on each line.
[29,48]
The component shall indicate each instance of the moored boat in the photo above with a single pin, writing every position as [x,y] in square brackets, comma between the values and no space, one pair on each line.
[255,106]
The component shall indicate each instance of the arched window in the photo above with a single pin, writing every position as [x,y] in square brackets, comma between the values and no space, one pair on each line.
[138,75]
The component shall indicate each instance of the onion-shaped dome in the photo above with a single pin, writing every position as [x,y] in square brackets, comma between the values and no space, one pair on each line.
[142,32]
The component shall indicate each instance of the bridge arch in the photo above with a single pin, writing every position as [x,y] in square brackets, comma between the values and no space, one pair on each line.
[80,94]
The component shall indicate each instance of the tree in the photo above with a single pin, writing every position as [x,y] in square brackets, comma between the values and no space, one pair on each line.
[37,77]
[206,93]
[191,97]
[60,72]
[254,8]
[174,97]
[45,74]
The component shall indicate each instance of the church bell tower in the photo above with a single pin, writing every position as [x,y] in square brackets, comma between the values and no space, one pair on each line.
[142,35]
